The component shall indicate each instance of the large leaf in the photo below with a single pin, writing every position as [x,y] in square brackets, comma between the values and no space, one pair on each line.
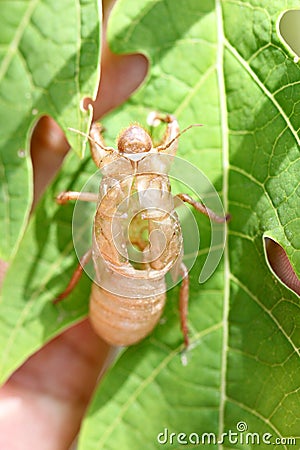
[49,63]
[222,64]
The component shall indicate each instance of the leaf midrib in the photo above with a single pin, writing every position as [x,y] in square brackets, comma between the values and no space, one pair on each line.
[225,161]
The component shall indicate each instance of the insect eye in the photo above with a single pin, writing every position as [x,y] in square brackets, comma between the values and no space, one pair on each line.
[134,140]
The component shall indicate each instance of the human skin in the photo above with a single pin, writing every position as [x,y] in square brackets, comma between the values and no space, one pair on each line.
[43,402]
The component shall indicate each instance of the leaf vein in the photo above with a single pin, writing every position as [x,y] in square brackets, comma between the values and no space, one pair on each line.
[267,311]
[17,38]
[264,89]
[143,385]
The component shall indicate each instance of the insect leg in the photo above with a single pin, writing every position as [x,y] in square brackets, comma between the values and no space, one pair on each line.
[171,131]
[98,149]
[183,303]
[203,209]
[75,277]
[65,197]
[170,138]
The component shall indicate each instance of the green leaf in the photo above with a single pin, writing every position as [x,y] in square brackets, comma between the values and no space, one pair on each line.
[222,64]
[43,262]
[49,62]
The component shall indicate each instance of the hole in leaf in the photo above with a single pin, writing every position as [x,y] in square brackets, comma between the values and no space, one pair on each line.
[48,147]
[281,265]
[289,30]
[121,75]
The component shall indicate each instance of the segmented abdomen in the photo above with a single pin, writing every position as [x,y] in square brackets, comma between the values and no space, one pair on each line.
[122,320]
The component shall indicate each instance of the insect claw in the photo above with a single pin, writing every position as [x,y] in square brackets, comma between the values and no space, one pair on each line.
[61,198]
[59,298]
[184,358]
[153,119]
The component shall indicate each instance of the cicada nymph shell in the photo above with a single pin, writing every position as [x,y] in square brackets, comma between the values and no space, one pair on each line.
[137,237]
[137,240]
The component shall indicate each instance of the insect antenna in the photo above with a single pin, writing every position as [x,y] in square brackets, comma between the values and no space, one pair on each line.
[109,149]
[164,147]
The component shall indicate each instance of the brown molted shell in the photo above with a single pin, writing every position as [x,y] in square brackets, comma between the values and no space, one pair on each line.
[121,320]
[134,139]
